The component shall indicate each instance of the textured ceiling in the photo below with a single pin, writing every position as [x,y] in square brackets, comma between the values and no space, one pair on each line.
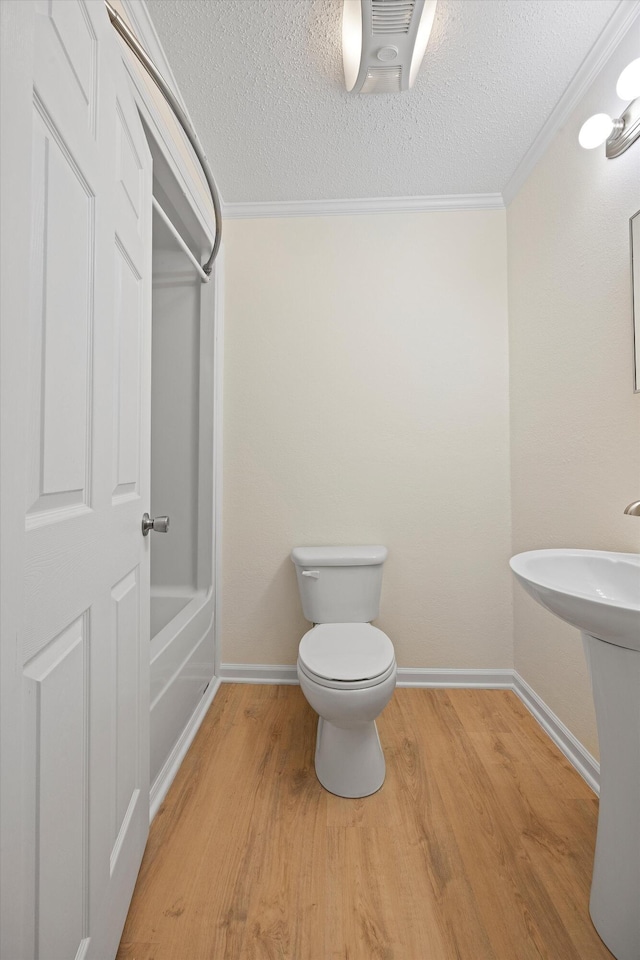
[262,80]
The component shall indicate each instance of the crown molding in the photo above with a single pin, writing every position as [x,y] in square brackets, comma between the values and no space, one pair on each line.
[367,205]
[621,21]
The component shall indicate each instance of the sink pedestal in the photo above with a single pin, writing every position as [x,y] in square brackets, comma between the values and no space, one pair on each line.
[615,889]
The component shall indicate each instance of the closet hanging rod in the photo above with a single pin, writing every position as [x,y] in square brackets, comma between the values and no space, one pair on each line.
[133,44]
[185,249]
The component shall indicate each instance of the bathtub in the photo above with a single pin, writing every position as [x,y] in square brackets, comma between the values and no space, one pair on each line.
[183,365]
[182,666]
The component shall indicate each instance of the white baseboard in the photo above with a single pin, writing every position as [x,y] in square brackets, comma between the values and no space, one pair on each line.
[407,676]
[258,673]
[577,755]
[439,677]
[498,679]
[165,778]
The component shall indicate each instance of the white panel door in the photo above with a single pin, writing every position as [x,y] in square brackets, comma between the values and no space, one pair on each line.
[82,646]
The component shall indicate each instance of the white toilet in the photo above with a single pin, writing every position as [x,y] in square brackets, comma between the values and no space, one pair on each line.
[346,667]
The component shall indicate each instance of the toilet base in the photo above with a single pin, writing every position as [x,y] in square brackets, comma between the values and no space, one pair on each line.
[349,760]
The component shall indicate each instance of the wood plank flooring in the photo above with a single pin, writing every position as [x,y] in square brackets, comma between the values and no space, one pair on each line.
[479,846]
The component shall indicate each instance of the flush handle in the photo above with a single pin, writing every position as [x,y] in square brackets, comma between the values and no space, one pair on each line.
[311,573]
[157,524]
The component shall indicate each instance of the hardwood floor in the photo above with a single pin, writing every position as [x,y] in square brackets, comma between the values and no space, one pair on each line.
[479,846]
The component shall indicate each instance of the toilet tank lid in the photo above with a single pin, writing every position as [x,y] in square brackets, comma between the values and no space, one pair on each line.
[338,556]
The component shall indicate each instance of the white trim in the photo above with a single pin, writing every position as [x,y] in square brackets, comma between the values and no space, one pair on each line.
[165,778]
[621,21]
[577,755]
[439,677]
[407,676]
[257,673]
[367,205]
[218,395]
[430,677]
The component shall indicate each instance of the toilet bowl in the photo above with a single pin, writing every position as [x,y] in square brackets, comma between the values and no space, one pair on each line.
[349,760]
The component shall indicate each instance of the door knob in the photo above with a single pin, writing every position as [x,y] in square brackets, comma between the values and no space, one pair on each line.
[157,524]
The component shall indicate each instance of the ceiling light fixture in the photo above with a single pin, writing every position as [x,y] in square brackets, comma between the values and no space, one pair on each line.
[618,134]
[383,43]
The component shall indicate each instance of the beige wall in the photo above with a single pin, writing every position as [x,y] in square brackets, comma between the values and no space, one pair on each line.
[575,423]
[366,401]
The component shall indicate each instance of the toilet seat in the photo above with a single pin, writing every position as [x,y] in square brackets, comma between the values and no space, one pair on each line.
[346,655]
[347,684]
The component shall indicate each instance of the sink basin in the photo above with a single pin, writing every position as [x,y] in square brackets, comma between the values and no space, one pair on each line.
[594,590]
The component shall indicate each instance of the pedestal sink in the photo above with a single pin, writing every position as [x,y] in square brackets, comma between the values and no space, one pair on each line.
[599,593]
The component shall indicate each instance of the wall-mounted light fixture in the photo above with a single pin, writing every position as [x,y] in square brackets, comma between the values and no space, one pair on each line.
[383,43]
[618,134]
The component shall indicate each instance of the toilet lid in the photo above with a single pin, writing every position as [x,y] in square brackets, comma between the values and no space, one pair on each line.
[346,651]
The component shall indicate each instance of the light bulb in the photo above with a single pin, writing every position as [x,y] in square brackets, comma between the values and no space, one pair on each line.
[595,130]
[422,38]
[351,41]
[628,85]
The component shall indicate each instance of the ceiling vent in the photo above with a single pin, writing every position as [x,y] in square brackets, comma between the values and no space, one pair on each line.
[383,43]
[391,16]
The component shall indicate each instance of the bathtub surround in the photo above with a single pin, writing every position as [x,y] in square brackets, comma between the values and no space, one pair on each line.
[184,320]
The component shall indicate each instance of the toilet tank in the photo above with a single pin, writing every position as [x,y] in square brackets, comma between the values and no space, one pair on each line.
[339,584]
